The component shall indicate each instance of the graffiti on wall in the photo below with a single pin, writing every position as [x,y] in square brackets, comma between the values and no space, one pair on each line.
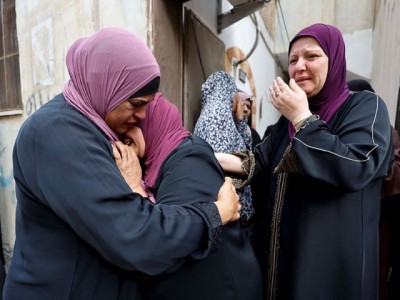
[36,100]
[5,180]
[43,53]
[42,47]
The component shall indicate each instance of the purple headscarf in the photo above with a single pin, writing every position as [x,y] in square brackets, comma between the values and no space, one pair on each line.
[163,131]
[106,69]
[335,90]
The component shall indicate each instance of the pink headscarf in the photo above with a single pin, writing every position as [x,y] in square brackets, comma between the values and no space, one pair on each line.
[243,96]
[106,69]
[163,131]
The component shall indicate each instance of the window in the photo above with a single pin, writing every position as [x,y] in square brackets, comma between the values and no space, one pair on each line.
[10,86]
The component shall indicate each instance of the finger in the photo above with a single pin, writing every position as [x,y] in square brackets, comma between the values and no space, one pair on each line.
[272,92]
[116,154]
[119,145]
[228,180]
[294,86]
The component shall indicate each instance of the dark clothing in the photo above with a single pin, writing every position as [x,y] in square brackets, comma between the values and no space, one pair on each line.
[390,249]
[317,224]
[256,139]
[81,233]
[390,228]
[232,271]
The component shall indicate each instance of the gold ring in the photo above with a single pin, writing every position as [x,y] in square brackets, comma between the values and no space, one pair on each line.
[277,93]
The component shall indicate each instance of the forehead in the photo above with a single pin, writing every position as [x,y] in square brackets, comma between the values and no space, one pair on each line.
[304,44]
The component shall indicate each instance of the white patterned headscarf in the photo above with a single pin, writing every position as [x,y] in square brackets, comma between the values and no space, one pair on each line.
[216,124]
[217,127]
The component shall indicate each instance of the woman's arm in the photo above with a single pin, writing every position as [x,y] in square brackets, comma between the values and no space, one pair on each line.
[227,200]
[230,163]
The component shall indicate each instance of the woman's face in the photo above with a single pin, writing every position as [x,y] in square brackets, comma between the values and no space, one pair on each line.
[134,137]
[246,108]
[308,65]
[128,113]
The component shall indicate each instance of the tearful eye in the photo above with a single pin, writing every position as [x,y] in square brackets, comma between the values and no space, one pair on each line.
[128,142]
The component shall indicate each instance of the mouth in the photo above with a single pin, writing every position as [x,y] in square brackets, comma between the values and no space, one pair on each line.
[301,79]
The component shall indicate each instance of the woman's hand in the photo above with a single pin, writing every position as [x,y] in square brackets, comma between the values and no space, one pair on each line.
[290,100]
[238,108]
[228,202]
[129,165]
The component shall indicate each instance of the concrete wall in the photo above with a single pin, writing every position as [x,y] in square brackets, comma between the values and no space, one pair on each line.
[385,77]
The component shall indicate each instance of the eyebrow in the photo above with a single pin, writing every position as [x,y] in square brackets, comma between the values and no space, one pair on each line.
[140,99]
[307,50]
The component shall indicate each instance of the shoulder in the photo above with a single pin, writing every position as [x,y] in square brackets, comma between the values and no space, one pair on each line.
[364,97]
[363,103]
[192,145]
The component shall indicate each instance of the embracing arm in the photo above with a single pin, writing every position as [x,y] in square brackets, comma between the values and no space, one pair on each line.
[178,186]
[78,179]
[230,163]
[129,166]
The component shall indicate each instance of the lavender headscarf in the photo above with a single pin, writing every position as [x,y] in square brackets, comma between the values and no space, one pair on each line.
[106,69]
[335,90]
[243,96]
[163,131]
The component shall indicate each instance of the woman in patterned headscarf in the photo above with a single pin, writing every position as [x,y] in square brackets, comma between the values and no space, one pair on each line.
[318,175]
[226,134]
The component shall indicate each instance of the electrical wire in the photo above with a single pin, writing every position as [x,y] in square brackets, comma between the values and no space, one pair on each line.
[253,47]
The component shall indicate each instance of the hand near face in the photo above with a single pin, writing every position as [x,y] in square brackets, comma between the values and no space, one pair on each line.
[238,108]
[129,165]
[290,100]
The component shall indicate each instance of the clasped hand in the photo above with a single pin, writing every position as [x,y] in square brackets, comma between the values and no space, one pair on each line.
[129,165]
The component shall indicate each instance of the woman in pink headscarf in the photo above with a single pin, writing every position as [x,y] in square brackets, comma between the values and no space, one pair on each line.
[318,176]
[81,231]
[181,169]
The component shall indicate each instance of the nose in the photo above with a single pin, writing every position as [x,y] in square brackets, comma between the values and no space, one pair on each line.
[300,64]
[140,113]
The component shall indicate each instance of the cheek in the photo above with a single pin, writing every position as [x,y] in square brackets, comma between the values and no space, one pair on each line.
[291,71]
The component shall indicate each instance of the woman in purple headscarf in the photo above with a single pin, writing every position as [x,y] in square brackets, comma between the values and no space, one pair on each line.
[317,177]
[181,169]
[81,231]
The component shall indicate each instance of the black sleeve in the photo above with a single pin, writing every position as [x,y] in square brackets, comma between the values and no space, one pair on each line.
[357,150]
[191,175]
[68,166]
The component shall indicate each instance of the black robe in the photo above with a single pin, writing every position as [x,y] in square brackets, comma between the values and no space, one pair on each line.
[317,210]
[80,231]
[191,174]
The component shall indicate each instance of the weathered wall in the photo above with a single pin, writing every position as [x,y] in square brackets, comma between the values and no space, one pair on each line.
[385,76]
